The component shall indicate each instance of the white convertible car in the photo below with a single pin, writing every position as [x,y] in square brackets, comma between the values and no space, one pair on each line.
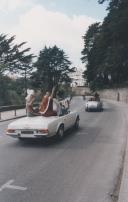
[93,105]
[39,126]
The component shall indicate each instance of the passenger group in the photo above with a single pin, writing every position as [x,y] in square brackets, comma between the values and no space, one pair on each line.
[49,106]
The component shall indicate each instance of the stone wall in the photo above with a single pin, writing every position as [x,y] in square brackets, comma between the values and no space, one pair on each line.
[120,94]
[115,94]
[80,90]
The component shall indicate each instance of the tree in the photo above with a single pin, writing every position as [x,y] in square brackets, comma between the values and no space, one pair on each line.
[11,57]
[116,26]
[25,68]
[14,58]
[91,53]
[53,68]
[105,52]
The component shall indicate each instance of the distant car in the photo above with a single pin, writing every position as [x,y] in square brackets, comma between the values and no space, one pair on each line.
[40,126]
[89,97]
[93,105]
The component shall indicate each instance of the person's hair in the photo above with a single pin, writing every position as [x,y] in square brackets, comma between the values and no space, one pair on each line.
[47,92]
[30,94]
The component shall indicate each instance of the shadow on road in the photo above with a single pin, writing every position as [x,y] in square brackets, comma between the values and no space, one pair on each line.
[46,142]
[82,138]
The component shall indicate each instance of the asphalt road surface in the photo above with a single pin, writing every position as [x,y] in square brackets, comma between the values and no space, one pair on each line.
[84,167]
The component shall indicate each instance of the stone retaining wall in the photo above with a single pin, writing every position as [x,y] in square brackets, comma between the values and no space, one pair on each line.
[120,94]
[115,94]
[80,90]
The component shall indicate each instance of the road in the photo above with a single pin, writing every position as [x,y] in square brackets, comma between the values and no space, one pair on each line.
[84,167]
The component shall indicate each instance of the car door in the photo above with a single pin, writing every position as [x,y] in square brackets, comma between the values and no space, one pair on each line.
[68,120]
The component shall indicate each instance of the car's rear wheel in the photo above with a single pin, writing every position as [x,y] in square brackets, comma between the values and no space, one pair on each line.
[21,138]
[102,110]
[60,132]
[77,123]
[87,109]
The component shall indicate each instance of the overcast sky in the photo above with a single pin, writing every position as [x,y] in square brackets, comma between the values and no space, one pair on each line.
[51,22]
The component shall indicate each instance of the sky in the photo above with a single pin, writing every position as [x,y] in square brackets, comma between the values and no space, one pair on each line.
[51,22]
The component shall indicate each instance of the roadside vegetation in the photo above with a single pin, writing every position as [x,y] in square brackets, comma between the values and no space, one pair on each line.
[105,52]
[19,70]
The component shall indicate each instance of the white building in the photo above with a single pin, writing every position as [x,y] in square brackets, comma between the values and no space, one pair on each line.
[77,79]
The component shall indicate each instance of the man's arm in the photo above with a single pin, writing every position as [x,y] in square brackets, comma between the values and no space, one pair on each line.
[53,90]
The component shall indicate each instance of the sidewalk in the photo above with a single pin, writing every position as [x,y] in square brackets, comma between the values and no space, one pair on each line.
[8,115]
[123,194]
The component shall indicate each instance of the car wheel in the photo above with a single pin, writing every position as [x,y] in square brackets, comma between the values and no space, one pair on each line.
[76,126]
[60,132]
[21,138]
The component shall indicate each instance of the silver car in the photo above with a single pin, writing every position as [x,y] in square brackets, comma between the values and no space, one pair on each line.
[94,105]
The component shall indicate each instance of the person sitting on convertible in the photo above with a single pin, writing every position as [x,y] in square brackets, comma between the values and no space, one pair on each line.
[29,104]
[63,109]
[97,97]
[46,106]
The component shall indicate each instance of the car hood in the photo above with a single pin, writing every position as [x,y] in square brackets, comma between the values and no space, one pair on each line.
[37,122]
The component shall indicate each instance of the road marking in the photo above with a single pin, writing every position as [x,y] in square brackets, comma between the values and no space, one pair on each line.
[10,186]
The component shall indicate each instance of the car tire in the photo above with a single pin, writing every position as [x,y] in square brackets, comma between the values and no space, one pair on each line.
[60,132]
[21,139]
[76,125]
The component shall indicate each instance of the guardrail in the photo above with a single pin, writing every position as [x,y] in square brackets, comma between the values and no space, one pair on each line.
[14,108]
[10,108]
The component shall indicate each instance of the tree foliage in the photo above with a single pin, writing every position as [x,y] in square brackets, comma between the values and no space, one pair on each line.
[11,91]
[53,68]
[105,50]
[12,56]
[15,59]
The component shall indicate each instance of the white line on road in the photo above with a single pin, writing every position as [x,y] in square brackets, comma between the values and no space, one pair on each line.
[10,186]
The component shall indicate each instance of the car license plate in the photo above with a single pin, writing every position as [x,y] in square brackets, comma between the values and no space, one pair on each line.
[27,132]
[27,136]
